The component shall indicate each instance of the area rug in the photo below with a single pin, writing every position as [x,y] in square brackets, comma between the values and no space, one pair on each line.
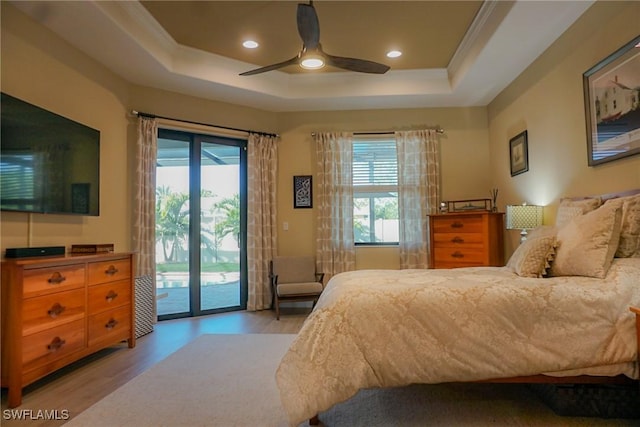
[229,380]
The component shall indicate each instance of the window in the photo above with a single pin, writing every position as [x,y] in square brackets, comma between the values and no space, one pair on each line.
[18,186]
[375,190]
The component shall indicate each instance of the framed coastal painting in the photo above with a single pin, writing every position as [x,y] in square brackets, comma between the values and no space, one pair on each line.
[519,154]
[612,105]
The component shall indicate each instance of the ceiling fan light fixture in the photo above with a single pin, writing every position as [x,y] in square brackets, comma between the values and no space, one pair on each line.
[312,62]
[312,57]
[394,54]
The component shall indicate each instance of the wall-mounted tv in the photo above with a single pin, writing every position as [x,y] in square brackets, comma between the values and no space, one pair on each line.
[48,163]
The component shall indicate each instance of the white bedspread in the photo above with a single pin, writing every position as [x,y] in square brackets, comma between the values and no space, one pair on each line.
[384,328]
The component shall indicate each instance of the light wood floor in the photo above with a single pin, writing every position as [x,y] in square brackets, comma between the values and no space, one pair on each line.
[81,384]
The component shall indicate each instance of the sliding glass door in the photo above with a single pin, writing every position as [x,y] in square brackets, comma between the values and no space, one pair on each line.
[200,224]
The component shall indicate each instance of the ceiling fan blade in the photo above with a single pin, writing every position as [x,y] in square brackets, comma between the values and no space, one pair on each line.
[271,67]
[354,64]
[308,26]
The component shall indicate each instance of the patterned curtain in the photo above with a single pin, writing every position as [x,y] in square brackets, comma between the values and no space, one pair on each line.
[144,209]
[335,249]
[418,193]
[262,159]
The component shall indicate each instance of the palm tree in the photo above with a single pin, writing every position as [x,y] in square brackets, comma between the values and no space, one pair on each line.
[230,224]
[172,222]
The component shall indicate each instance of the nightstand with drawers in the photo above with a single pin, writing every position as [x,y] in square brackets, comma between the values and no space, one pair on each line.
[466,239]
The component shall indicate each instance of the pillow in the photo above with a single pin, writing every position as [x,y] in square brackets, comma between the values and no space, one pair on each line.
[569,209]
[533,256]
[543,231]
[630,229]
[587,244]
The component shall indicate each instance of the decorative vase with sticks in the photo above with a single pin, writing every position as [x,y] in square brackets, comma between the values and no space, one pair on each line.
[494,199]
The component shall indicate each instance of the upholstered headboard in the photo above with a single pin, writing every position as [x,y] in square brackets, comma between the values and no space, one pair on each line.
[605,197]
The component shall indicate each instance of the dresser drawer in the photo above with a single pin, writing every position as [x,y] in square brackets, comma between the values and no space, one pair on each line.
[110,325]
[40,281]
[52,344]
[446,257]
[109,295]
[109,271]
[44,312]
[458,224]
[457,240]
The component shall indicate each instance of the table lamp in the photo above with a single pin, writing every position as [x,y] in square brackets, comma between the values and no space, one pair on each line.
[523,217]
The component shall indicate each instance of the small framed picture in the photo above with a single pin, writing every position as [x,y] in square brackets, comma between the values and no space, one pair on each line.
[519,154]
[302,192]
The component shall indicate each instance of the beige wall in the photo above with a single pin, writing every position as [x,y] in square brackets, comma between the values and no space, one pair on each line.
[40,68]
[464,160]
[173,105]
[547,101]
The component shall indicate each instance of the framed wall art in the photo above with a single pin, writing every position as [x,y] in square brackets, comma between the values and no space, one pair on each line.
[302,191]
[612,105]
[519,154]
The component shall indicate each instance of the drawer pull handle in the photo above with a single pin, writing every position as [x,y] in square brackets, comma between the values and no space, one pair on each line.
[56,310]
[457,240]
[111,270]
[457,224]
[56,278]
[111,323]
[457,254]
[56,344]
[111,295]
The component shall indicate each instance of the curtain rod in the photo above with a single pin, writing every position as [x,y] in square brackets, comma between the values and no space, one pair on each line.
[154,116]
[438,130]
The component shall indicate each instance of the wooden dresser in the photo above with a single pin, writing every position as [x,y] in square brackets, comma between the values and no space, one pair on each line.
[466,239]
[56,310]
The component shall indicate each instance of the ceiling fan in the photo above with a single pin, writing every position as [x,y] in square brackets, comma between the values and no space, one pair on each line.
[312,56]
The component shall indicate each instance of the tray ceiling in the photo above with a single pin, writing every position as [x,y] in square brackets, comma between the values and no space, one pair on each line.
[455,53]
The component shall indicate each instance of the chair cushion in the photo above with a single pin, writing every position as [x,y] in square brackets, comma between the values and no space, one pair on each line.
[294,269]
[302,288]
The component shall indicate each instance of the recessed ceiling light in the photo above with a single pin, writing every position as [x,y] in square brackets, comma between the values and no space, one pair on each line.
[250,44]
[394,54]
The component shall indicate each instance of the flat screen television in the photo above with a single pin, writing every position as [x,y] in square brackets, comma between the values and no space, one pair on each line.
[48,163]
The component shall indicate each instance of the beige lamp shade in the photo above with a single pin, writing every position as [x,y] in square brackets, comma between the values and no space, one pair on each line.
[523,217]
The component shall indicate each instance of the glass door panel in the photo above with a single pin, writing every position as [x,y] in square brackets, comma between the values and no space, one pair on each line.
[220,227]
[172,227]
[200,224]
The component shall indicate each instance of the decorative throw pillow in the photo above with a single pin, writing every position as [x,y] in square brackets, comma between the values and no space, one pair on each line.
[630,229]
[533,256]
[587,244]
[569,209]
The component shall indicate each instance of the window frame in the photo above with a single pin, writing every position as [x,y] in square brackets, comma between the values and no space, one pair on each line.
[374,191]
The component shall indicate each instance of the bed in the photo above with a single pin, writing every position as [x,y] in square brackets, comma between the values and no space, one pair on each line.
[559,310]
